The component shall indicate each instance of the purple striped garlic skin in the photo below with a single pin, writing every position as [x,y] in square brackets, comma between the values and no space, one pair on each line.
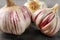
[14,20]
[46,21]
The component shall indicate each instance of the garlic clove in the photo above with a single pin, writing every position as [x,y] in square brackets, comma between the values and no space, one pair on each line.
[46,19]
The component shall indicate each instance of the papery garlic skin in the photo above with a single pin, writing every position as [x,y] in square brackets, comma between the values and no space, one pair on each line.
[47,21]
[14,19]
[35,4]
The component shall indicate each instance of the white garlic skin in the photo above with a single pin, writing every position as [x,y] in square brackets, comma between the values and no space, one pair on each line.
[40,3]
[50,28]
[12,19]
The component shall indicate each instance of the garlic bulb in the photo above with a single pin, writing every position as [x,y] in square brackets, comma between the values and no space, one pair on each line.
[46,20]
[14,19]
[34,5]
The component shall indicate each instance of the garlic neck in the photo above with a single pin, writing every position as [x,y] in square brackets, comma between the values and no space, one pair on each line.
[10,3]
[55,8]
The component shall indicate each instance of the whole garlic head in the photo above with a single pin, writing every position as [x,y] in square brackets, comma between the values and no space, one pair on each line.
[14,19]
[34,5]
[47,20]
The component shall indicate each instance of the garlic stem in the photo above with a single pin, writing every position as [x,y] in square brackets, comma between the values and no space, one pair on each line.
[55,8]
[10,3]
